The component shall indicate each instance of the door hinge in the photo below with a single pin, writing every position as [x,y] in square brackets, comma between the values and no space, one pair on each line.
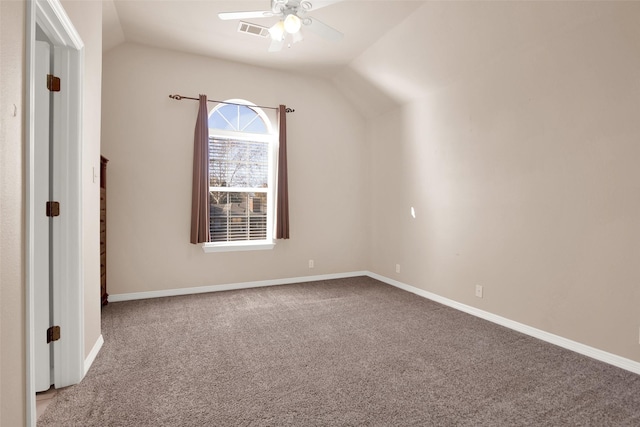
[53,83]
[53,334]
[53,209]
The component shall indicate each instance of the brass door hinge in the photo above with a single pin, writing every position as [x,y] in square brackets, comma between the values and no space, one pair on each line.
[53,83]
[53,209]
[53,334]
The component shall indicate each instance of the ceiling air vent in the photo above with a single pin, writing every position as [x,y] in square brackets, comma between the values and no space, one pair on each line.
[256,30]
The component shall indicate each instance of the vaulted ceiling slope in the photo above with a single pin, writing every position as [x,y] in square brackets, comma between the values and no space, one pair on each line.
[392,51]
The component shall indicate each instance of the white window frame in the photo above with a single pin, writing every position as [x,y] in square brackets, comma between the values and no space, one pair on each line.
[271,137]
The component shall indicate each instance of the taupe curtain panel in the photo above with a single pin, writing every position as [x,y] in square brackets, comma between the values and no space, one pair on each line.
[282,198]
[200,187]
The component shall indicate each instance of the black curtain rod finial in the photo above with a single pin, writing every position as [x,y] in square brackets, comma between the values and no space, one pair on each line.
[289,110]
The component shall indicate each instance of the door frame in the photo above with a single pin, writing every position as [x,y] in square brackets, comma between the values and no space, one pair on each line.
[68,292]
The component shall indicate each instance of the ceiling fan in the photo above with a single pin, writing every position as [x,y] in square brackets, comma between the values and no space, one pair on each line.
[293,17]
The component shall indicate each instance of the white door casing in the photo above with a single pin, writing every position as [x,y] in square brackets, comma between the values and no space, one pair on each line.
[67,297]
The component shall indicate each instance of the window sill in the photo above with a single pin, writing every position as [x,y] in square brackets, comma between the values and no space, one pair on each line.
[237,246]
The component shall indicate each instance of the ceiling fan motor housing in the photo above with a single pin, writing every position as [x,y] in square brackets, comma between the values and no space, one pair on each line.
[291,6]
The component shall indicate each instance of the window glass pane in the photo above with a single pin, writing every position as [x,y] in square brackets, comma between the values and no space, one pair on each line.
[230,114]
[238,216]
[224,117]
[238,163]
[255,126]
[249,121]
[218,121]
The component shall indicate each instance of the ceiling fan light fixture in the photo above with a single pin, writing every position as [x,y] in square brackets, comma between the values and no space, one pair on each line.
[277,31]
[297,37]
[292,24]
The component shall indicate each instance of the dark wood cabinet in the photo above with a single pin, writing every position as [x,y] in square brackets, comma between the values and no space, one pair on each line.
[104,296]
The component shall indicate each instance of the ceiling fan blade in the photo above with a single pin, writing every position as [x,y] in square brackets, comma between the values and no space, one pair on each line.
[276,45]
[227,16]
[322,29]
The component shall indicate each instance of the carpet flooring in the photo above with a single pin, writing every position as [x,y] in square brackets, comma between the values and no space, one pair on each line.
[346,352]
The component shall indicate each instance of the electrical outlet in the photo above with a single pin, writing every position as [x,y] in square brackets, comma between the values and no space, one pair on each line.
[311,263]
[397,268]
[479,291]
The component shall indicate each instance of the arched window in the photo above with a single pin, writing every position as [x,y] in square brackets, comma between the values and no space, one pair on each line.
[242,143]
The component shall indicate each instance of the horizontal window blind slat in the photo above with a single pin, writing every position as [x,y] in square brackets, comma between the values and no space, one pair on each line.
[236,216]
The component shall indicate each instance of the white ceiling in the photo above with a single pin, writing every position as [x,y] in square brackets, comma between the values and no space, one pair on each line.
[194,27]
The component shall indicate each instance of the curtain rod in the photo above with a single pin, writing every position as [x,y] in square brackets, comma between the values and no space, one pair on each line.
[180,97]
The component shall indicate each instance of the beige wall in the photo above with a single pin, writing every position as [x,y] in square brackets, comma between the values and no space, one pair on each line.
[148,139]
[87,19]
[12,337]
[522,165]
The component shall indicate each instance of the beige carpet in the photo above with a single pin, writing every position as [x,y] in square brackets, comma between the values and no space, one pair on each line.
[346,352]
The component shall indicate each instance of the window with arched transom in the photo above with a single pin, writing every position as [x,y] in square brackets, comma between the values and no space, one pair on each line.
[242,147]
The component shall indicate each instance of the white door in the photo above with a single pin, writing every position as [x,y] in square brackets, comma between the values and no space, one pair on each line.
[42,174]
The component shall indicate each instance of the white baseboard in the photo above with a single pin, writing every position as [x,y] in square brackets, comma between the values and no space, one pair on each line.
[577,347]
[230,287]
[594,353]
[93,354]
